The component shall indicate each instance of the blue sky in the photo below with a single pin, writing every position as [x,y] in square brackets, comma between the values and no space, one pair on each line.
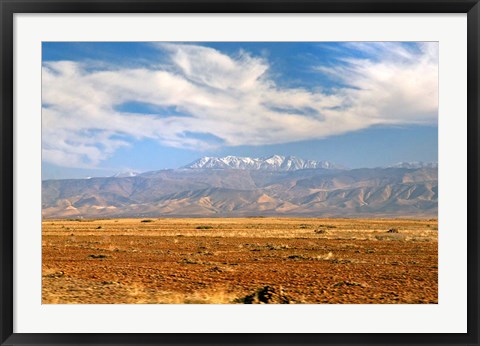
[109,107]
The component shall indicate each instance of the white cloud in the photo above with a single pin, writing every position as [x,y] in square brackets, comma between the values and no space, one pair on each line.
[230,98]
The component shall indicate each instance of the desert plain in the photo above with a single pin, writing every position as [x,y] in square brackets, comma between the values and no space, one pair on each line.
[240,260]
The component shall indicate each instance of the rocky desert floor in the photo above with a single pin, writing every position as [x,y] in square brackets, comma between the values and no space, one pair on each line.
[240,260]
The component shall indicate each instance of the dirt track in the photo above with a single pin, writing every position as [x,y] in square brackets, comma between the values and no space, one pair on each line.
[233,260]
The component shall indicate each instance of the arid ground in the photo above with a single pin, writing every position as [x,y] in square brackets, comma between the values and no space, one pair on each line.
[239,260]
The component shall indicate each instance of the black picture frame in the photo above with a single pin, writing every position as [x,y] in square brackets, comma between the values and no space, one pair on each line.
[9,7]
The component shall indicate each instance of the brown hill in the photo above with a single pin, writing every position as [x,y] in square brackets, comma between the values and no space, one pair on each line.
[377,192]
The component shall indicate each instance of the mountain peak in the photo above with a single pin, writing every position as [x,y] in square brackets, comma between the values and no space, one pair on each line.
[270,163]
[414,165]
[125,174]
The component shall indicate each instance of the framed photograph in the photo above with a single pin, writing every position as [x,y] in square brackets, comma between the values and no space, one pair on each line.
[239,172]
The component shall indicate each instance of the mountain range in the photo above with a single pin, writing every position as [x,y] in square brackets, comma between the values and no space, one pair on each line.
[272,163]
[241,186]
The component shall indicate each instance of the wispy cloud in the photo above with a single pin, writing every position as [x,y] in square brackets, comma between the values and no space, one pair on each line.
[230,100]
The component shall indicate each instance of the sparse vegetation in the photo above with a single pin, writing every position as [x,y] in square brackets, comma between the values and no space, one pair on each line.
[277,247]
[327,226]
[189,261]
[297,257]
[98,256]
[233,261]
[390,236]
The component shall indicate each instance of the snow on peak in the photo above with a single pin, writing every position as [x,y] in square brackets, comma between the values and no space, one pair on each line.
[414,165]
[125,174]
[271,163]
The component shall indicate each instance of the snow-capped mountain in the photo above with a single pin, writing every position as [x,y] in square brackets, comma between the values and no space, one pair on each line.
[272,163]
[415,165]
[125,174]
